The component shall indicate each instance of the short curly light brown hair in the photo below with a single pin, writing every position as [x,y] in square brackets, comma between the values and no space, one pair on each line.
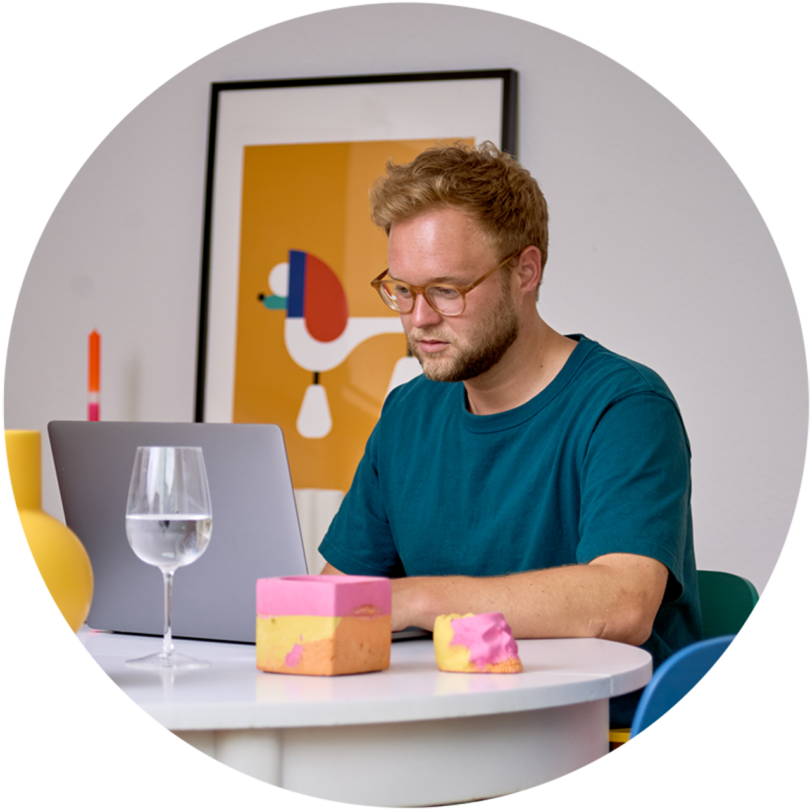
[481,180]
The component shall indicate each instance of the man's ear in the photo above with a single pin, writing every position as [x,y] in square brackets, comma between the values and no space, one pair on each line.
[530,268]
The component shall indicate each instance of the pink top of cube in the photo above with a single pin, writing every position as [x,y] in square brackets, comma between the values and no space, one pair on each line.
[487,636]
[323,595]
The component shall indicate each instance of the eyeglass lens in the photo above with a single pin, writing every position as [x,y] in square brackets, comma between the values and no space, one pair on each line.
[447,300]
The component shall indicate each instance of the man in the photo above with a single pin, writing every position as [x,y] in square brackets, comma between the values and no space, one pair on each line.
[526,472]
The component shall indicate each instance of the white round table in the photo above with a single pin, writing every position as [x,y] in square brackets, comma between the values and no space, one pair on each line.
[408,736]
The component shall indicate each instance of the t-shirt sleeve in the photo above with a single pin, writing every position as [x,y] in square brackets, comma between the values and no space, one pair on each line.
[636,485]
[359,539]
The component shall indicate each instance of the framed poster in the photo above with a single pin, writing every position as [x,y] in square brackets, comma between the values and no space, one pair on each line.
[290,330]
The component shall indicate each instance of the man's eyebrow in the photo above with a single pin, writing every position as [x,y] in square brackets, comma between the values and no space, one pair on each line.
[438,280]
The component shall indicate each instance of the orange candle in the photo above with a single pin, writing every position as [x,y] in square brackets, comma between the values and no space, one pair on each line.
[94,374]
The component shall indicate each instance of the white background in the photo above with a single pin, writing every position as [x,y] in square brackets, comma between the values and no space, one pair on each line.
[656,250]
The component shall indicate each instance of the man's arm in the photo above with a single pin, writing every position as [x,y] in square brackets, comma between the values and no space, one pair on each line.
[614,597]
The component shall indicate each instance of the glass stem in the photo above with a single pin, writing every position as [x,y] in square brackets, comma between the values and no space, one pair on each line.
[168,647]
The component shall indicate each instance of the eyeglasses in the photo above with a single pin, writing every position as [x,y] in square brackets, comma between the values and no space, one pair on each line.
[446,299]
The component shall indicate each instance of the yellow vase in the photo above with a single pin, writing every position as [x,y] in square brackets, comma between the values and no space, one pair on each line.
[57,551]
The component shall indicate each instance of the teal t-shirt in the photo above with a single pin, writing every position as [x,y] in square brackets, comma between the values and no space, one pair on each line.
[597,463]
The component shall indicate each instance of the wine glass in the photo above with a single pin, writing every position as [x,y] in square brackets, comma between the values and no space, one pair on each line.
[168,524]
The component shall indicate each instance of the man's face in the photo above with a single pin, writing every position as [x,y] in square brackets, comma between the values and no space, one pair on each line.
[447,246]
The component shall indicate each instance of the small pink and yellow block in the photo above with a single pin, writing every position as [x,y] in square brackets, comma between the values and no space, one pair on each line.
[323,624]
[480,642]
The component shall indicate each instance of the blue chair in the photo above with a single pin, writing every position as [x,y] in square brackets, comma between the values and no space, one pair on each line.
[726,602]
[674,678]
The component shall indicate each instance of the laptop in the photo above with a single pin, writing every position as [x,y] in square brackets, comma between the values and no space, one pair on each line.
[255,525]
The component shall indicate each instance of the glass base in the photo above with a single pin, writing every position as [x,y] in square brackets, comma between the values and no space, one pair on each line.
[167,661]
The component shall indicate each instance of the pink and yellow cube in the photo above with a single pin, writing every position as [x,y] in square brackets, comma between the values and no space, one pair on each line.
[481,642]
[323,624]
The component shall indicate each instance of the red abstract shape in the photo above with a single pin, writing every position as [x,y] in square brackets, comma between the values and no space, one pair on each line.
[326,310]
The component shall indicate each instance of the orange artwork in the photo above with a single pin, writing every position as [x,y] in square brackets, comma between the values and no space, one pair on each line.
[315,346]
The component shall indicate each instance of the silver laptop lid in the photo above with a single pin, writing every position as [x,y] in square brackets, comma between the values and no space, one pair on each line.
[255,524]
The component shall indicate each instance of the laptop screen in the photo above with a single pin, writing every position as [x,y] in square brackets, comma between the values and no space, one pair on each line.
[255,524]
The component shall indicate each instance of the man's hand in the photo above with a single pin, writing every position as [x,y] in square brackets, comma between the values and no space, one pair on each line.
[614,597]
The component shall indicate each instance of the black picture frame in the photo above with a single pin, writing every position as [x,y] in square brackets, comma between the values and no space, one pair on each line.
[506,80]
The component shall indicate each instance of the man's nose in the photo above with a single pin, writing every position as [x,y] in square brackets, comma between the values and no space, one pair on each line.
[423,313]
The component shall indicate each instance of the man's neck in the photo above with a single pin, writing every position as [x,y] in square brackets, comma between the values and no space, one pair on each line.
[529,365]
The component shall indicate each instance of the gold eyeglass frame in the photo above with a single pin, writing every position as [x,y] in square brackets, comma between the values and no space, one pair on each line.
[415,290]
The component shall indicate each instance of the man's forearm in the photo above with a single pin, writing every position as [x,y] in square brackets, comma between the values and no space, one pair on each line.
[614,597]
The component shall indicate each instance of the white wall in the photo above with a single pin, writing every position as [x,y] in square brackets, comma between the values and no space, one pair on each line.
[656,251]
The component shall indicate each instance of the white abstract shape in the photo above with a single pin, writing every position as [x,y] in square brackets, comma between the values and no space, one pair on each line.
[406,369]
[314,419]
[279,280]
[315,355]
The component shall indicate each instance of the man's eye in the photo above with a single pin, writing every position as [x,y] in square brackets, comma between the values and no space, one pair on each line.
[401,292]
[447,293]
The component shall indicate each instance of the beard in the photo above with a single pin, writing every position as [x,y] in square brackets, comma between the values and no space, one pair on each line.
[493,338]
